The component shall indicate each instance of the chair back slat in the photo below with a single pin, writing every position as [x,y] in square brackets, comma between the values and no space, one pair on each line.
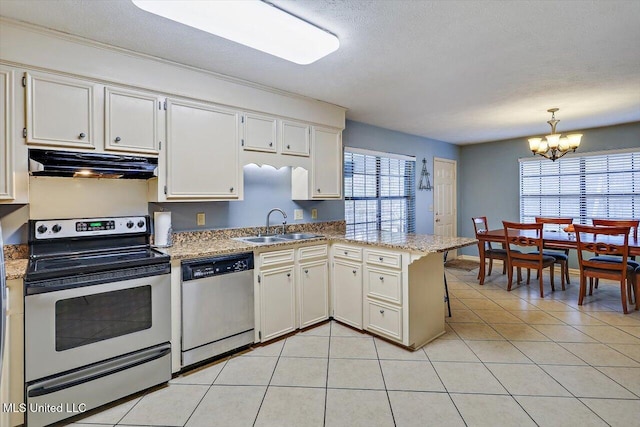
[533,241]
[480,225]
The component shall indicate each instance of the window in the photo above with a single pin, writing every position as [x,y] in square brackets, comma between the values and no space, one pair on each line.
[379,191]
[594,185]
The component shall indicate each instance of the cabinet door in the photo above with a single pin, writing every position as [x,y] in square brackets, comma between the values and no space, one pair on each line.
[259,133]
[6,137]
[347,291]
[131,121]
[295,138]
[326,174]
[277,302]
[60,111]
[314,292]
[202,151]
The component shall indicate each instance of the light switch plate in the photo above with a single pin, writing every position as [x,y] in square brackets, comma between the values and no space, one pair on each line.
[430,208]
[200,218]
[314,213]
[297,214]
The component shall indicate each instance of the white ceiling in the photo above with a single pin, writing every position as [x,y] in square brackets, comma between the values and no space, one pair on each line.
[456,71]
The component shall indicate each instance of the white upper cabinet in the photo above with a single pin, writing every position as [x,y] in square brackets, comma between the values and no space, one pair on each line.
[260,133]
[295,138]
[202,151]
[6,137]
[324,181]
[60,111]
[131,120]
[326,174]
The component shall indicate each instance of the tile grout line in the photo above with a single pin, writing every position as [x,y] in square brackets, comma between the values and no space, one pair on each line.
[266,390]
[326,381]
[384,383]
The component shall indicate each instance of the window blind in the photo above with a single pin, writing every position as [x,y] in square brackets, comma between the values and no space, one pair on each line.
[379,191]
[594,185]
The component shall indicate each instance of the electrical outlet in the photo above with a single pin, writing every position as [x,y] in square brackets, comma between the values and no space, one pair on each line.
[200,218]
[297,214]
[314,213]
[430,208]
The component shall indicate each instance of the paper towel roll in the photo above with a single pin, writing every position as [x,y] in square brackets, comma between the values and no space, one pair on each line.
[162,229]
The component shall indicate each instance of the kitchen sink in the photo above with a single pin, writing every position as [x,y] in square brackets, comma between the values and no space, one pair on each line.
[278,238]
[261,239]
[299,236]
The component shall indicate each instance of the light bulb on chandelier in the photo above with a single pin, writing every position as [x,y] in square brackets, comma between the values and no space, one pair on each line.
[554,145]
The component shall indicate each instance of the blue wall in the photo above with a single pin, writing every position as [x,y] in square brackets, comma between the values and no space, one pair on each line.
[488,183]
[360,135]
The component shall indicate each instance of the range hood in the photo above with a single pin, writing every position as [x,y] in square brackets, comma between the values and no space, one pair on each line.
[90,165]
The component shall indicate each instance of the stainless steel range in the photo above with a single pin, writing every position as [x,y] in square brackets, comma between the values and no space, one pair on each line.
[97,315]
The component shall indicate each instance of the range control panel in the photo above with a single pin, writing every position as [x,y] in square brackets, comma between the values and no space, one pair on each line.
[65,228]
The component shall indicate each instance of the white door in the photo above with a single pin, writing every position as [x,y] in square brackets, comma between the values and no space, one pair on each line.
[202,151]
[444,199]
[277,302]
[131,121]
[326,148]
[313,292]
[347,293]
[6,138]
[260,133]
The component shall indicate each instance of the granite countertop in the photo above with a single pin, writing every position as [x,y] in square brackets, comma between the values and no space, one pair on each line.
[201,244]
[421,243]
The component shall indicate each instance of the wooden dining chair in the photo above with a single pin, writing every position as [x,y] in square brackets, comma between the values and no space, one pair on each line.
[480,226]
[590,239]
[561,255]
[633,230]
[534,260]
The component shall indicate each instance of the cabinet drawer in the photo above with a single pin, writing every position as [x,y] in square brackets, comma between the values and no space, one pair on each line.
[384,319]
[387,259]
[315,251]
[347,252]
[276,257]
[385,284]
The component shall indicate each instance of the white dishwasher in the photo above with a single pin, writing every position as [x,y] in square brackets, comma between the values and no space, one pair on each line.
[217,306]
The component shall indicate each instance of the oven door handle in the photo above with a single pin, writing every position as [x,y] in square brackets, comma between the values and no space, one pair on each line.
[96,371]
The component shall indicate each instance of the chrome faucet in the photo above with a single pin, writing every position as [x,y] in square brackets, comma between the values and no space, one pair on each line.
[284,215]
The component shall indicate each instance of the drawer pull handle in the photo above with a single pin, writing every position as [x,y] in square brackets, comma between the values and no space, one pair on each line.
[381,259]
[381,278]
[381,311]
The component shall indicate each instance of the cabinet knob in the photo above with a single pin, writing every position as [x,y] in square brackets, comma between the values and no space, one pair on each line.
[82,135]
[118,139]
[346,253]
[381,311]
[354,272]
[288,146]
[306,272]
[231,190]
[381,278]
[271,144]
[381,259]
[288,274]
[318,190]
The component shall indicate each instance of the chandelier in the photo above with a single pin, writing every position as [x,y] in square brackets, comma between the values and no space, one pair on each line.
[554,146]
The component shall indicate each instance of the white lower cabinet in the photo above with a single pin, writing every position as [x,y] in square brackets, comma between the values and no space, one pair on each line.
[293,290]
[313,285]
[347,292]
[12,384]
[382,318]
[277,301]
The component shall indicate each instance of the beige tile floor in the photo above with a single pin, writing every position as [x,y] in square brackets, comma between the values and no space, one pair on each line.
[507,359]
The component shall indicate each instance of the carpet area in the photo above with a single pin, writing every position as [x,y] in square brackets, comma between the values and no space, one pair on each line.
[462,264]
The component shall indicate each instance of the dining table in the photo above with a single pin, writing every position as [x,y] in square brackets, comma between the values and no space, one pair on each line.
[551,240]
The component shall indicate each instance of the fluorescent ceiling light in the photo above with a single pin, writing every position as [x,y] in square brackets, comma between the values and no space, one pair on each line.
[252,23]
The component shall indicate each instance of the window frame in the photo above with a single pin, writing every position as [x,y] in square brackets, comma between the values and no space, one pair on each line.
[409,192]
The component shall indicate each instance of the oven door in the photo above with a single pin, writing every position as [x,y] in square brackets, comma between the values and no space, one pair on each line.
[76,327]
